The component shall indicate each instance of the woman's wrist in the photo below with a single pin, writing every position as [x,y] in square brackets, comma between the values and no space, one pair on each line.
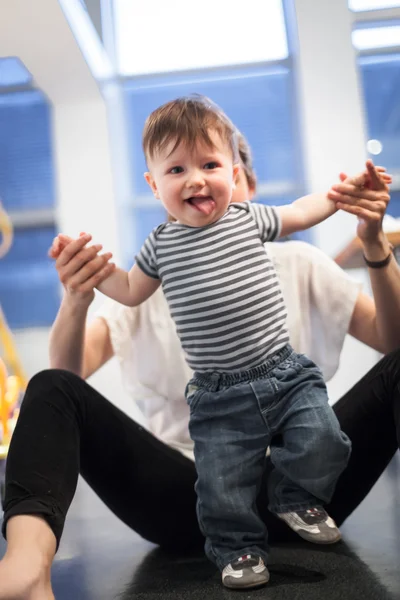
[378,249]
[78,303]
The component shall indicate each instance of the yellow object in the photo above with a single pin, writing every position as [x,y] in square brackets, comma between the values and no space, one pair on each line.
[10,355]
[10,389]
[6,230]
[11,386]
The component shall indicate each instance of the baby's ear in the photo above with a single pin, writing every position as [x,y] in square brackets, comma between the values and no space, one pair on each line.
[149,178]
[236,173]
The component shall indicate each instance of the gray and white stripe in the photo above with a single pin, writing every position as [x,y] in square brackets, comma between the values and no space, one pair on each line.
[221,287]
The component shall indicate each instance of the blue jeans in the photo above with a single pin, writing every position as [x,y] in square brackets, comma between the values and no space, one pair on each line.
[234,417]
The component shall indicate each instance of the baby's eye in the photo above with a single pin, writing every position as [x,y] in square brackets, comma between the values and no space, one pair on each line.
[211,165]
[176,170]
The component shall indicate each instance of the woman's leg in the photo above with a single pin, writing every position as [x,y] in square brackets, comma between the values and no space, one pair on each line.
[370,415]
[66,427]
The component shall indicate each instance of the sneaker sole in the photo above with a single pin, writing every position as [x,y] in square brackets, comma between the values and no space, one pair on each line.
[309,538]
[246,586]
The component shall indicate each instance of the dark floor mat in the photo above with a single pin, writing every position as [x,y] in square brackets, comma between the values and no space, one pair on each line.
[297,572]
[101,559]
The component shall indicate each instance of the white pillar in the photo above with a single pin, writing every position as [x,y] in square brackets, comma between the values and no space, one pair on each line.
[85,194]
[331,106]
[334,138]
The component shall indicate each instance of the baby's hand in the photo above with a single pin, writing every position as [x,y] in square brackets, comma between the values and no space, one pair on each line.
[366,196]
[80,267]
[59,243]
[366,180]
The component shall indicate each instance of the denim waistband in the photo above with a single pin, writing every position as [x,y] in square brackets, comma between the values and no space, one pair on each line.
[212,381]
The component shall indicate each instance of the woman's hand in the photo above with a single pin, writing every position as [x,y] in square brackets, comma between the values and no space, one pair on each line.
[80,267]
[367,197]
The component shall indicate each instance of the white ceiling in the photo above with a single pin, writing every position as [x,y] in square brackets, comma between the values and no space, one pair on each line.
[37,32]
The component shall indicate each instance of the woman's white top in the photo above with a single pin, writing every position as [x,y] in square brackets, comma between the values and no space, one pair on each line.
[320,299]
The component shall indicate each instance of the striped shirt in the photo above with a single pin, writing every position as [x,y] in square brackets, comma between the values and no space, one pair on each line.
[221,287]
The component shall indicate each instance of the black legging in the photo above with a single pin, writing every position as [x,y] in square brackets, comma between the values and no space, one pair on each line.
[65,428]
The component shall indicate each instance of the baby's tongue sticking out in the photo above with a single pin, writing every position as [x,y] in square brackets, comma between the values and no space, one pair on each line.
[204,205]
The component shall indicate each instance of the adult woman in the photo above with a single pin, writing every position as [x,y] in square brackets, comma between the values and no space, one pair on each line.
[147,482]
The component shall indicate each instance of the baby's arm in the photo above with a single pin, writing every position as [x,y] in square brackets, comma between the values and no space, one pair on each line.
[314,208]
[305,212]
[131,288]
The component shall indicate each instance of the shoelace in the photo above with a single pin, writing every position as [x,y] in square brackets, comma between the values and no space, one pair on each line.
[314,512]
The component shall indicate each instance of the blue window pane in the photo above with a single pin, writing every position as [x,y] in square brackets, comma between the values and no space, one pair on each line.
[136,223]
[394,205]
[381,82]
[29,287]
[13,72]
[26,173]
[259,101]
[146,219]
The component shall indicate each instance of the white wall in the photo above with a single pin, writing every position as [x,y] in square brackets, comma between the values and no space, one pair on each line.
[32,346]
[331,106]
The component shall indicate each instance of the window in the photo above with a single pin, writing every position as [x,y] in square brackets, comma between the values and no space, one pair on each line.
[240,59]
[28,281]
[381,84]
[26,177]
[367,38]
[188,36]
[378,43]
[29,288]
[360,5]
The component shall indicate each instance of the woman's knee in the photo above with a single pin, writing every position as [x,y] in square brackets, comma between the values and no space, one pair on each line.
[52,384]
[52,377]
[392,361]
[389,370]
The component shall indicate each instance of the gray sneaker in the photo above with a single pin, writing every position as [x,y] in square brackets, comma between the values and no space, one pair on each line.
[248,571]
[313,525]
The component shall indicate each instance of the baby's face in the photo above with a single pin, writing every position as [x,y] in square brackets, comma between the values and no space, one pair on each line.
[195,185]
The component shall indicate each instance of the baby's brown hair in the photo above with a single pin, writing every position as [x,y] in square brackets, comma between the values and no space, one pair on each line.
[246,160]
[188,120]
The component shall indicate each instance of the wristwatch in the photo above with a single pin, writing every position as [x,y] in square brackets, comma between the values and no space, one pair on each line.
[379,264]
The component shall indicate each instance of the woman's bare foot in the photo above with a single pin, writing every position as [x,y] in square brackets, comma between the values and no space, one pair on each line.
[21,580]
[25,569]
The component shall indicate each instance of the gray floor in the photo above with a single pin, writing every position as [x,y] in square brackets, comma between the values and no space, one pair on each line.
[100,559]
